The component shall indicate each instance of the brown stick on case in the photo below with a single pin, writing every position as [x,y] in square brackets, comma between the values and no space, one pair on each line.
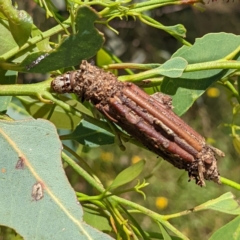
[149,119]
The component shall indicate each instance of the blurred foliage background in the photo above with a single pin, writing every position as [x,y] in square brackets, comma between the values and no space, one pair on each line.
[169,190]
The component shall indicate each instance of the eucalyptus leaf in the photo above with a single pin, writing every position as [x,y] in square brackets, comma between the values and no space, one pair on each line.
[34,188]
[6,77]
[20,22]
[55,114]
[21,29]
[96,220]
[165,234]
[90,135]
[228,231]
[225,203]
[73,49]
[191,85]
[173,68]
[6,38]
[43,45]
[127,175]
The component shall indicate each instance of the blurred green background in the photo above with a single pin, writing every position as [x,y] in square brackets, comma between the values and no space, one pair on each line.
[169,190]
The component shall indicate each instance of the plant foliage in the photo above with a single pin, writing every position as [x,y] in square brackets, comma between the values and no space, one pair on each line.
[36,198]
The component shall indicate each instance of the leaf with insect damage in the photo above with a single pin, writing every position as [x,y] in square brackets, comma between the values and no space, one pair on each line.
[19,21]
[73,49]
[34,188]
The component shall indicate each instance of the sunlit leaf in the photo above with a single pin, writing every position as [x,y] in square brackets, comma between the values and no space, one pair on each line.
[6,38]
[105,58]
[173,68]
[44,44]
[20,22]
[186,89]
[34,188]
[225,203]
[73,49]
[21,29]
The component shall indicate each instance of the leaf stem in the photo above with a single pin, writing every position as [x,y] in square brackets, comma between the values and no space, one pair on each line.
[230,86]
[230,183]
[212,65]
[82,162]
[232,54]
[83,173]
[190,68]
[120,200]
[25,89]
[31,42]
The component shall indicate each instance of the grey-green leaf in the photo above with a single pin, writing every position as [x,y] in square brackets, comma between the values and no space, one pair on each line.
[173,68]
[36,198]
[191,85]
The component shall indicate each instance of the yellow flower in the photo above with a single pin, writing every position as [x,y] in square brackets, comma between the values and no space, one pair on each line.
[213,92]
[107,156]
[135,159]
[161,202]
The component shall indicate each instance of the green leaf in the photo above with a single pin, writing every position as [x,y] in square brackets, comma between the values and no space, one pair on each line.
[73,49]
[236,143]
[34,188]
[6,38]
[90,135]
[21,29]
[60,118]
[97,221]
[44,44]
[127,175]
[229,231]
[191,85]
[103,58]
[165,234]
[6,77]
[173,68]
[176,30]
[20,22]
[225,203]
[157,235]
